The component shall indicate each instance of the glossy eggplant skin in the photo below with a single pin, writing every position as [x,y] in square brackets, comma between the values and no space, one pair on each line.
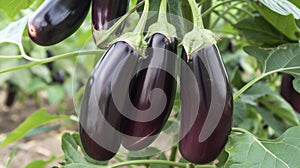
[204,132]
[288,92]
[154,72]
[100,119]
[56,20]
[105,12]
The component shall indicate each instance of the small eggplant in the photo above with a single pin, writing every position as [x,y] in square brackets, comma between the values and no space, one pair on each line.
[100,117]
[56,20]
[154,74]
[12,91]
[207,105]
[288,92]
[106,12]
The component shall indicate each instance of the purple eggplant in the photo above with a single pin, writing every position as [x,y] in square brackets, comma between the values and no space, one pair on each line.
[288,92]
[207,105]
[100,117]
[106,12]
[154,73]
[12,91]
[56,20]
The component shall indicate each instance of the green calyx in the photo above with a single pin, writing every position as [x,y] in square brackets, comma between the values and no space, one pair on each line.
[162,26]
[136,41]
[199,37]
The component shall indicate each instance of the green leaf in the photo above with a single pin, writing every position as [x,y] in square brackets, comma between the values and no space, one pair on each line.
[286,24]
[271,120]
[55,93]
[41,163]
[34,120]
[42,71]
[262,34]
[245,150]
[283,7]
[284,58]
[11,156]
[13,7]
[36,84]
[240,112]
[280,107]
[13,32]
[83,165]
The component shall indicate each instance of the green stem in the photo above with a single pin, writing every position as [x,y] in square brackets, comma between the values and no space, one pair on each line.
[197,17]
[51,59]
[236,129]
[173,154]
[219,4]
[11,57]
[223,15]
[162,12]
[159,162]
[143,20]
[249,84]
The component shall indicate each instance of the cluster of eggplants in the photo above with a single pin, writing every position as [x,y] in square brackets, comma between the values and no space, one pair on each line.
[288,92]
[55,20]
[105,122]
[206,105]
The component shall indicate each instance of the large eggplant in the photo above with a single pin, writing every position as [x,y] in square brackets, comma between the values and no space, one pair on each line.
[100,116]
[106,12]
[288,92]
[207,105]
[155,74]
[56,20]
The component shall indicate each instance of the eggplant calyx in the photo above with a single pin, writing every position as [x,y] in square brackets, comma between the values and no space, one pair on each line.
[136,41]
[197,39]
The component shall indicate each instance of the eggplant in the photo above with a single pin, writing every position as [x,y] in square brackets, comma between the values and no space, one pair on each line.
[12,91]
[106,12]
[154,73]
[288,92]
[100,117]
[55,20]
[206,105]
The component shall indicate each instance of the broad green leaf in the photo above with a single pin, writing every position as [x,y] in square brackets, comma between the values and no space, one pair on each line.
[41,163]
[55,93]
[13,32]
[13,7]
[262,34]
[284,58]
[22,75]
[35,120]
[36,84]
[283,7]
[70,146]
[240,112]
[42,71]
[280,107]
[245,150]
[286,24]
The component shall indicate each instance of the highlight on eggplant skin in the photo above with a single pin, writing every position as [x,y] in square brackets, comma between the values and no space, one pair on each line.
[100,119]
[55,20]
[211,78]
[105,12]
[153,75]
[288,92]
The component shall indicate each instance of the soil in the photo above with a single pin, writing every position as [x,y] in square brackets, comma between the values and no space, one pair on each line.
[37,147]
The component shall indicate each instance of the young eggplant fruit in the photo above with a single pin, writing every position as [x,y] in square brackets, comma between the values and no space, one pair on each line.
[207,105]
[288,92]
[100,118]
[152,92]
[56,20]
[105,12]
